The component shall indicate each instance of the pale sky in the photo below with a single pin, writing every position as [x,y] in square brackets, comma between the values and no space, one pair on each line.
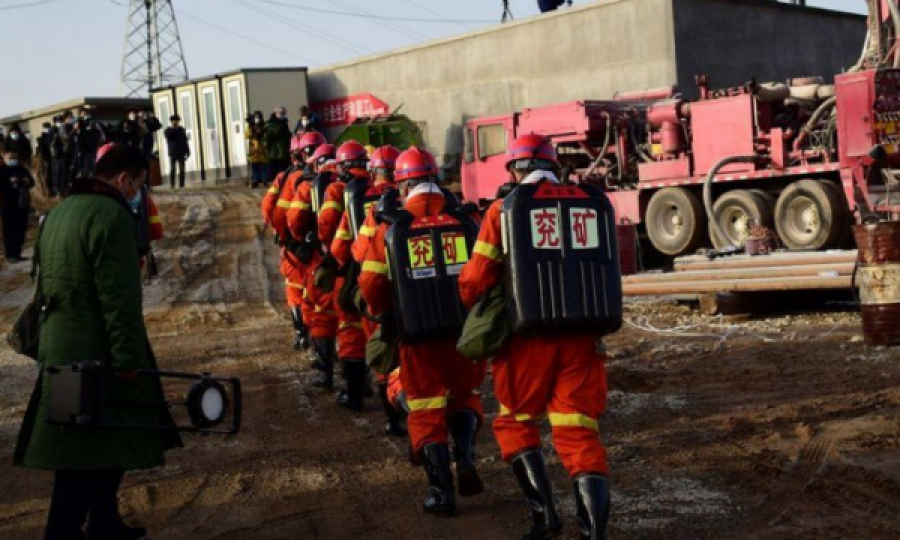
[56,50]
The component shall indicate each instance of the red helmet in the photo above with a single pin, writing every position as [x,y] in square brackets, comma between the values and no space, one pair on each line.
[311,138]
[529,147]
[384,158]
[323,151]
[351,151]
[103,150]
[415,163]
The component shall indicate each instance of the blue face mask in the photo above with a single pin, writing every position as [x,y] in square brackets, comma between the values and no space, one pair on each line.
[12,162]
[136,201]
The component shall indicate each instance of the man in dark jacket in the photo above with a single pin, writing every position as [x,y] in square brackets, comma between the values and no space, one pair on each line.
[43,144]
[60,153]
[277,141]
[17,142]
[129,132]
[90,280]
[149,126]
[15,203]
[179,150]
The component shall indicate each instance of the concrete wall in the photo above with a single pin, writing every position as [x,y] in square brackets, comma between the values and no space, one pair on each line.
[587,51]
[267,90]
[593,51]
[735,40]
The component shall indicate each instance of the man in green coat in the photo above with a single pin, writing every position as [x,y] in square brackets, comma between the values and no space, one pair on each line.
[277,141]
[91,286]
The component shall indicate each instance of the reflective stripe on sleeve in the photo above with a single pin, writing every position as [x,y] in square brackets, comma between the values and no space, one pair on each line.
[426,404]
[283,203]
[487,250]
[155,219]
[344,325]
[294,285]
[375,267]
[273,190]
[332,205]
[344,235]
[573,420]
[365,230]
[299,205]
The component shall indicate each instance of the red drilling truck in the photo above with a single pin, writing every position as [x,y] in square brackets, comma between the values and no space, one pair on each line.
[803,158]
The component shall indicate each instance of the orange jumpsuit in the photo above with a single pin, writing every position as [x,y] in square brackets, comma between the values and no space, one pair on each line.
[270,199]
[292,268]
[436,378]
[351,339]
[156,227]
[318,306]
[539,374]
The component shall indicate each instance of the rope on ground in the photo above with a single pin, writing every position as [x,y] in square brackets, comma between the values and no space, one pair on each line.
[643,324]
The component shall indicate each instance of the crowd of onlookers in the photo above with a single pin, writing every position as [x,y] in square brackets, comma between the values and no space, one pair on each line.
[270,142]
[67,147]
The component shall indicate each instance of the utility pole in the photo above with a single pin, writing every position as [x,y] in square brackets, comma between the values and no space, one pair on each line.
[153,53]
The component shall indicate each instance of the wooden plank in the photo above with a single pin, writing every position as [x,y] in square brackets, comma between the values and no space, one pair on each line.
[762,261]
[841,268]
[738,285]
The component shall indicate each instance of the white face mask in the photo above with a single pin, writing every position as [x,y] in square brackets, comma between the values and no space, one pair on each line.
[14,135]
[12,162]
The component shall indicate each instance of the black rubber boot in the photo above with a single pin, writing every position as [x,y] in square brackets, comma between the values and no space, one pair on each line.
[531,472]
[394,424]
[324,362]
[464,428]
[356,373]
[440,500]
[592,503]
[301,334]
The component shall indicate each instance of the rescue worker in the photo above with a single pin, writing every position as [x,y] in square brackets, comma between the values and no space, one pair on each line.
[321,318]
[352,162]
[440,385]
[301,222]
[381,167]
[295,252]
[558,372]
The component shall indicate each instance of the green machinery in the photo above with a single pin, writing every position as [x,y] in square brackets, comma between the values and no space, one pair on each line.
[396,129]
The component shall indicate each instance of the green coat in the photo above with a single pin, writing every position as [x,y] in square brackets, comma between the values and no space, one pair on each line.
[277,139]
[90,274]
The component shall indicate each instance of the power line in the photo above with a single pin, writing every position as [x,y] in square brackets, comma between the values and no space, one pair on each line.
[433,12]
[442,20]
[28,5]
[384,22]
[307,29]
[245,37]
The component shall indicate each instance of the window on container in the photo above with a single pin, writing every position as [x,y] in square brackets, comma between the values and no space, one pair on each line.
[469,142]
[491,140]
[187,112]
[209,105]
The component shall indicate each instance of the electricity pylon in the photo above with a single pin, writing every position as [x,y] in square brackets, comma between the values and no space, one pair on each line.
[153,54]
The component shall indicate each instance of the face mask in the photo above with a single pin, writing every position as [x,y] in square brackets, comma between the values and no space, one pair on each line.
[59,124]
[12,162]
[132,117]
[14,136]
[304,122]
[136,201]
[46,130]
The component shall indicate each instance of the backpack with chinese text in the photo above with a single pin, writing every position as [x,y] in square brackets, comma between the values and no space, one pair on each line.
[561,259]
[425,256]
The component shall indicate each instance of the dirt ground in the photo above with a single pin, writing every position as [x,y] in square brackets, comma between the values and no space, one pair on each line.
[777,427]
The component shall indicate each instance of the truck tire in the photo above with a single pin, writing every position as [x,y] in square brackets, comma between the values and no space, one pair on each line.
[810,214]
[735,212]
[676,221]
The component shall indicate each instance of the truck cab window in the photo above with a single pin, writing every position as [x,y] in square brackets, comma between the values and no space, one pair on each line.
[469,145]
[491,140]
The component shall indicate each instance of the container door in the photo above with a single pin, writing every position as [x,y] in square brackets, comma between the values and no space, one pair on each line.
[238,150]
[187,122]
[163,112]
[212,139]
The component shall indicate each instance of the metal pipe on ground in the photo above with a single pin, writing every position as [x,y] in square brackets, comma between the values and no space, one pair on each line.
[802,283]
[841,269]
[765,261]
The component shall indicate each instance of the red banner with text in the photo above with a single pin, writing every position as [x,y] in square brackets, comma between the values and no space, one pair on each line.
[343,111]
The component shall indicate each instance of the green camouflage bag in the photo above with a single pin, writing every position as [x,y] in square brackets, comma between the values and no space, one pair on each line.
[487,327]
[382,353]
